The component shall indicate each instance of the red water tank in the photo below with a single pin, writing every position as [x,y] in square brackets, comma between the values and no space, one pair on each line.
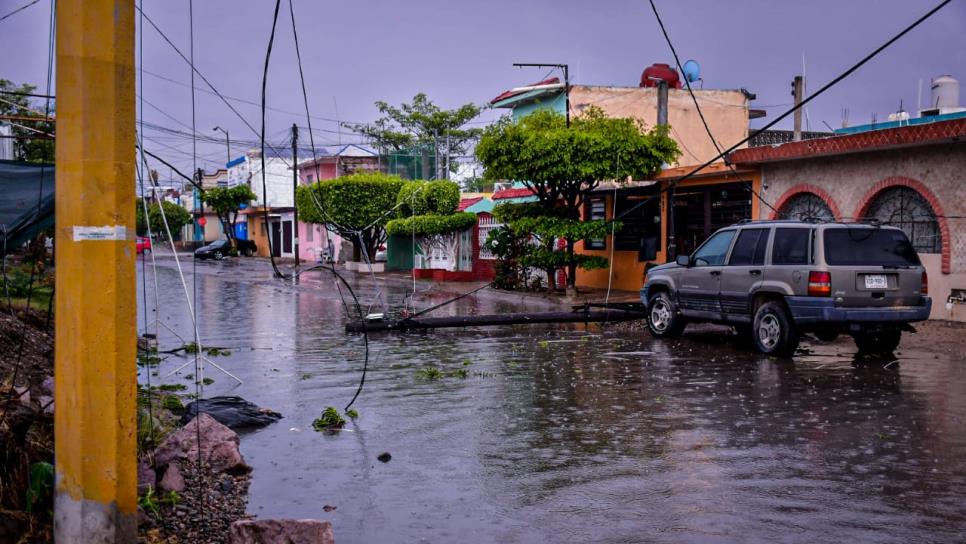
[658,71]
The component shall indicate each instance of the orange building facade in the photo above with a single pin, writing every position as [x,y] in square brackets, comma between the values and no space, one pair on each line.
[716,197]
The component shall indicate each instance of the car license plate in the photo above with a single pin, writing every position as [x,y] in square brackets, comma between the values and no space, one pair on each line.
[876,281]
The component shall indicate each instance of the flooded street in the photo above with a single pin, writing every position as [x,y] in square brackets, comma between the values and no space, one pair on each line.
[570,433]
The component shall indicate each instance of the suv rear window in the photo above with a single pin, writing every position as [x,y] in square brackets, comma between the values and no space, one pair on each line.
[790,246]
[869,247]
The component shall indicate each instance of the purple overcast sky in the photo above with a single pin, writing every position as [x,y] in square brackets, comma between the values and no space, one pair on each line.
[355,53]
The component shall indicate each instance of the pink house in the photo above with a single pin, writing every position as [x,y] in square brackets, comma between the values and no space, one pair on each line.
[335,162]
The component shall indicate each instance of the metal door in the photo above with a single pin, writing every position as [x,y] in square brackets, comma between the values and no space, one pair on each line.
[701,281]
[743,273]
[276,238]
[286,237]
[465,252]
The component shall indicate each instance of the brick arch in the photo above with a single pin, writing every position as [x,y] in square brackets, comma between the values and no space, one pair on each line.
[806,188]
[919,187]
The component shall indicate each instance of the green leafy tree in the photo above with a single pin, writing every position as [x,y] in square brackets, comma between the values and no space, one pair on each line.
[140,223]
[357,207]
[563,165]
[176,215]
[28,145]
[422,125]
[226,202]
[427,210]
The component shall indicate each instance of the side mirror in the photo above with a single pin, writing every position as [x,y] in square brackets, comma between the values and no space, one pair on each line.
[683,260]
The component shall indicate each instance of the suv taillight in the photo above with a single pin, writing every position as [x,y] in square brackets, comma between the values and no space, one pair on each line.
[819,284]
[924,290]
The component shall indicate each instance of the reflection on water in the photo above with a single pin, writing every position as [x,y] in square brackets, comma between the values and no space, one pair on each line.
[576,434]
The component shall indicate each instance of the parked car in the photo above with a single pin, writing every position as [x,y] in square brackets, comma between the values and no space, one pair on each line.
[775,280]
[246,247]
[382,254]
[143,245]
[216,250]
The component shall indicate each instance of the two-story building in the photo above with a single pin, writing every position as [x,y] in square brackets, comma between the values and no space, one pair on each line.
[694,209]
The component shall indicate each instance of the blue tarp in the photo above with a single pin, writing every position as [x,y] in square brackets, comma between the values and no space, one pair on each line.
[26,202]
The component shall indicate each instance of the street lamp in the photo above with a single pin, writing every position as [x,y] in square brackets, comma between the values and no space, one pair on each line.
[227,144]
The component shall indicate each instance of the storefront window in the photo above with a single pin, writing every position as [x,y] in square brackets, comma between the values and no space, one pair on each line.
[703,209]
[641,226]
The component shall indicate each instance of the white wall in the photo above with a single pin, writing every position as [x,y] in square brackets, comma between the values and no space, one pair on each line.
[278,182]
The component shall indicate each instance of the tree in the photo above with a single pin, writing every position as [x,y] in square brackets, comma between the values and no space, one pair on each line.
[357,207]
[176,216]
[422,125]
[225,202]
[28,145]
[140,223]
[427,211]
[563,165]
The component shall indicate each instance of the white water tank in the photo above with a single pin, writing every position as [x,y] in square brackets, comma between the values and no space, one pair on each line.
[945,92]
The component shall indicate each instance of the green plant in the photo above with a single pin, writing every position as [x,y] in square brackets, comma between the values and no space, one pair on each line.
[172,387]
[440,197]
[226,202]
[176,216]
[353,206]
[173,403]
[420,123]
[153,502]
[148,359]
[207,381]
[40,490]
[330,420]
[431,225]
[562,164]
[460,373]
[352,412]
[430,373]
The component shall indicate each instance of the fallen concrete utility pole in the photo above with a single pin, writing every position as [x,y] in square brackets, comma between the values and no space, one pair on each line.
[581,316]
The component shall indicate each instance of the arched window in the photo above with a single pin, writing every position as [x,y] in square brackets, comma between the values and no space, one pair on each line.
[806,206]
[907,209]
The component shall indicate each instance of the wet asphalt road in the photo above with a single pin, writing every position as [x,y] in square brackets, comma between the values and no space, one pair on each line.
[572,434]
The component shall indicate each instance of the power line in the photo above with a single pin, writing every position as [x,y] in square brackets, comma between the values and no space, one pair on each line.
[18,10]
[697,106]
[808,99]
[243,100]
[194,70]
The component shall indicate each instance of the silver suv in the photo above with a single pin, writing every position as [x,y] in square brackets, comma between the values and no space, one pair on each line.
[774,280]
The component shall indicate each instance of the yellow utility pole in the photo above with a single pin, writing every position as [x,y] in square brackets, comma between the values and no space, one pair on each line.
[95,435]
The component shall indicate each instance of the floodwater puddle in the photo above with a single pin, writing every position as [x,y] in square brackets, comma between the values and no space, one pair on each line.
[574,433]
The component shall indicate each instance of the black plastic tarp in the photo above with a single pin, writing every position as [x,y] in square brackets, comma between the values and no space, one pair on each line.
[26,202]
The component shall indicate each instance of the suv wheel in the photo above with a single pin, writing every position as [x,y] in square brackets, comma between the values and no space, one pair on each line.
[877,342]
[774,332]
[219,256]
[663,319]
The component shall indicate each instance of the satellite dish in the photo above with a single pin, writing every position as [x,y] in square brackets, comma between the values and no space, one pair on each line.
[692,71]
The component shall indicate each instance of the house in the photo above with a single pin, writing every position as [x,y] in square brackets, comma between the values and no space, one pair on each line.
[210,228]
[330,163]
[907,173]
[718,196]
[464,258]
[271,216]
